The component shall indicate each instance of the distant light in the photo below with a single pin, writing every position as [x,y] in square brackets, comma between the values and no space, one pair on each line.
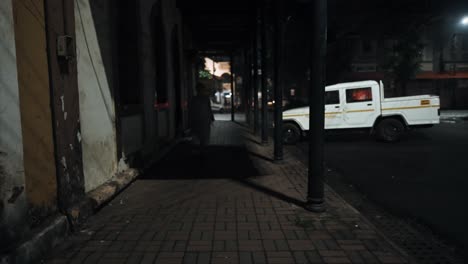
[464,21]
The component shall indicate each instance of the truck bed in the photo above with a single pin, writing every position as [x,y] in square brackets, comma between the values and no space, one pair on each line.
[416,110]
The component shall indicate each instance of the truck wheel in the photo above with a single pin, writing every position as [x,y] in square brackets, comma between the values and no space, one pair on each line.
[291,134]
[390,130]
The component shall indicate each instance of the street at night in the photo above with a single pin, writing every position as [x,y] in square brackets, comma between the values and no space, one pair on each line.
[421,178]
[236,132]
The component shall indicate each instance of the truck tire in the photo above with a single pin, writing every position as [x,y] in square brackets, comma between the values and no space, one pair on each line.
[291,133]
[390,130]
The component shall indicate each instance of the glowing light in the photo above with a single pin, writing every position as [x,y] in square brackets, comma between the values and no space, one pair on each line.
[464,21]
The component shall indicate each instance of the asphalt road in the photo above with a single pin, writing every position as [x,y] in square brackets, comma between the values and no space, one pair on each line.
[423,177]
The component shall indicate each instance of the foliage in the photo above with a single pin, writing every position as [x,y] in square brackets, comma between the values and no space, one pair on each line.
[403,62]
[204,74]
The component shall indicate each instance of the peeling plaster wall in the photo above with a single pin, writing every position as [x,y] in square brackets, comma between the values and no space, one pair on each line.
[97,109]
[12,203]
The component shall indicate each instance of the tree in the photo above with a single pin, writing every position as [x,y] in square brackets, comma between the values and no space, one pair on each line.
[403,62]
[205,74]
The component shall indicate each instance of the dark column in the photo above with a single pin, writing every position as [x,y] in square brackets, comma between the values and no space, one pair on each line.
[315,193]
[232,87]
[278,81]
[255,76]
[66,114]
[264,83]
[246,86]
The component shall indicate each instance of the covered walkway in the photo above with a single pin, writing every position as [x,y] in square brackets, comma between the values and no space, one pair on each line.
[188,209]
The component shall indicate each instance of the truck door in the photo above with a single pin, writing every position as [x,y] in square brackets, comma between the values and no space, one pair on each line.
[333,110]
[359,107]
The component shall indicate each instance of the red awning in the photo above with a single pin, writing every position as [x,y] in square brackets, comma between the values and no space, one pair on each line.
[445,75]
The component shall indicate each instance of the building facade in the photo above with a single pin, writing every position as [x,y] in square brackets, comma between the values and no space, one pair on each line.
[443,62]
[91,92]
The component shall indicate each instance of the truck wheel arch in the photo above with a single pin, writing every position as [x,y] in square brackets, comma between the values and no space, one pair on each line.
[294,122]
[296,130]
[400,118]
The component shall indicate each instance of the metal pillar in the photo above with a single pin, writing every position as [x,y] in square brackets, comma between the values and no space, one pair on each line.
[264,83]
[278,81]
[255,76]
[315,192]
[232,87]
[246,86]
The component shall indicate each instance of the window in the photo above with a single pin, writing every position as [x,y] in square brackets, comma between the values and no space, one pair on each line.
[358,95]
[332,97]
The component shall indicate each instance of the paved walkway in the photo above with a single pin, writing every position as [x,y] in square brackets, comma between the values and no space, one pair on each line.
[232,206]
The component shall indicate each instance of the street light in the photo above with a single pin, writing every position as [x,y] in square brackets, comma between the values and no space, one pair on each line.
[464,21]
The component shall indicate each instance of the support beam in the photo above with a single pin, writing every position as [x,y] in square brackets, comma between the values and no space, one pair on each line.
[264,83]
[278,80]
[315,192]
[246,86]
[232,87]
[255,77]
[64,94]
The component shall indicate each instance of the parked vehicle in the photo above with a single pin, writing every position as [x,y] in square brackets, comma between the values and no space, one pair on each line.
[215,107]
[363,105]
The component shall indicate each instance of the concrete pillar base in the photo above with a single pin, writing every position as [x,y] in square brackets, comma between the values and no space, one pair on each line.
[315,205]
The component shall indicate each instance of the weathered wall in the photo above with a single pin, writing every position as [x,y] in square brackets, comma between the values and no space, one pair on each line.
[97,110]
[131,135]
[12,181]
[36,116]
[163,124]
[174,26]
[147,74]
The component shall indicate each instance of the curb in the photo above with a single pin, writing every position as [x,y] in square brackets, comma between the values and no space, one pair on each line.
[41,243]
[396,247]
[111,188]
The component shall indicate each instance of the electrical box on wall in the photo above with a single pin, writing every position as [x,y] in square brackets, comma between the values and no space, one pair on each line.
[65,47]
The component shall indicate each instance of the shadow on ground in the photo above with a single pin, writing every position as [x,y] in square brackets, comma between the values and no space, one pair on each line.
[216,162]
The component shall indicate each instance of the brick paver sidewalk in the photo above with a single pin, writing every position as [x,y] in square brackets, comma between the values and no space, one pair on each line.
[241,210]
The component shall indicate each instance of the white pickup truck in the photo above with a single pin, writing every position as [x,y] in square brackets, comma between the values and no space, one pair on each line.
[362,105]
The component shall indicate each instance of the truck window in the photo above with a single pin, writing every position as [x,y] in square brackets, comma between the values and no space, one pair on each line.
[332,97]
[358,95]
